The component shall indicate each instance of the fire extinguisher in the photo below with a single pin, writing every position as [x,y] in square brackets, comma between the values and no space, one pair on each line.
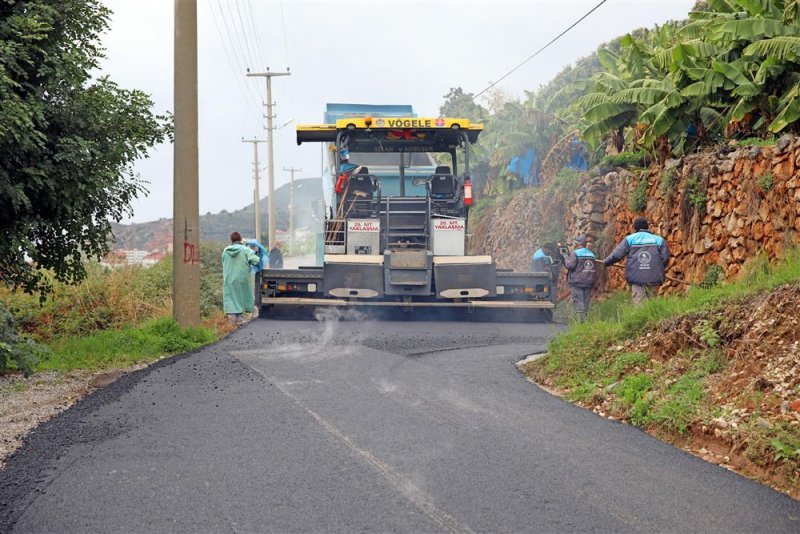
[468,192]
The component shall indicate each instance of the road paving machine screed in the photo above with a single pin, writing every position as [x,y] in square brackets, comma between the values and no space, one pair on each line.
[395,231]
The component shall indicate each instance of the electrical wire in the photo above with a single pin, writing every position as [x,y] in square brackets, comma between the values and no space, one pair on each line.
[247,95]
[236,55]
[542,49]
[262,50]
[285,38]
[246,40]
[236,44]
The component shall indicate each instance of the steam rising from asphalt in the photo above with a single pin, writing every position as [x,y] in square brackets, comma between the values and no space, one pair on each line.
[333,340]
[331,319]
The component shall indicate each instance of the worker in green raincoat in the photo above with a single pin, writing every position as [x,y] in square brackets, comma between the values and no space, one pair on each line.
[237,292]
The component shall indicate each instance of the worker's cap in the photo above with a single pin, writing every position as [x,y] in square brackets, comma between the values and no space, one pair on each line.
[347,167]
[580,239]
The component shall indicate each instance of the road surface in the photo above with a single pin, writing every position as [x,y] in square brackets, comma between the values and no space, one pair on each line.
[359,426]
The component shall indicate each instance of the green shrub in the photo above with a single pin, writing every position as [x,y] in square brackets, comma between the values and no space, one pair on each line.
[666,184]
[627,159]
[16,352]
[707,334]
[714,276]
[568,181]
[211,278]
[633,394]
[113,298]
[637,202]
[696,193]
[785,451]
[766,182]
[757,141]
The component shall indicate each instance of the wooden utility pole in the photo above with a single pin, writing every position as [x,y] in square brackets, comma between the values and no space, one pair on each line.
[291,170]
[270,166]
[186,207]
[257,178]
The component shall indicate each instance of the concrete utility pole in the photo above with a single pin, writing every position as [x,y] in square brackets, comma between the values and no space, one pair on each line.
[186,207]
[291,170]
[270,167]
[257,178]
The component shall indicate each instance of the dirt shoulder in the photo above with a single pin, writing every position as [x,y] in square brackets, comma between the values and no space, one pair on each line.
[25,403]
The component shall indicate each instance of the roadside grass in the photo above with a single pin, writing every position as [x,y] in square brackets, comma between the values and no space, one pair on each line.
[660,367]
[588,361]
[113,318]
[150,341]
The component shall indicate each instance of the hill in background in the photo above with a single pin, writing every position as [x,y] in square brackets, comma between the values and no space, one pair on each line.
[157,235]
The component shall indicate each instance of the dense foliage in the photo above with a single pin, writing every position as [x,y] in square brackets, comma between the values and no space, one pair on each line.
[67,141]
[112,317]
[16,350]
[731,70]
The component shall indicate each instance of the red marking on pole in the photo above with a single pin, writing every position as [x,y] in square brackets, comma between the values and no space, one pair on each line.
[190,254]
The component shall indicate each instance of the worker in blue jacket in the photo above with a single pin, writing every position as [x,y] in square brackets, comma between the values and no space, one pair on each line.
[647,254]
[263,261]
[548,259]
[542,259]
[581,276]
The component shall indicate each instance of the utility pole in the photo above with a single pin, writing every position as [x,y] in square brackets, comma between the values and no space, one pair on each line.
[291,170]
[186,207]
[257,178]
[270,168]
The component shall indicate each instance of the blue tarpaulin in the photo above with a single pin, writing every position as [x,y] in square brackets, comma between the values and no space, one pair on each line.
[528,166]
[523,166]
[580,156]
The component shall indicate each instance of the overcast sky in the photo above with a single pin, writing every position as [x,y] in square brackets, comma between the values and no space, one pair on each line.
[375,52]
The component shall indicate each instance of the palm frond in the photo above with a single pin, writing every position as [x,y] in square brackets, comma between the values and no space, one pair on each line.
[590,100]
[783,48]
[640,95]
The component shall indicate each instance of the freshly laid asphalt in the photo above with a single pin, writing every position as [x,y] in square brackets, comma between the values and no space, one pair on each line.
[360,426]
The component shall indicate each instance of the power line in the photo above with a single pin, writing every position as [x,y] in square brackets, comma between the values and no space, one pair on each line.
[542,49]
[236,44]
[262,51]
[234,69]
[236,55]
[285,39]
[250,54]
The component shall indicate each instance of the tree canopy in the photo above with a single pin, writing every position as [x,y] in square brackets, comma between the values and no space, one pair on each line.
[730,70]
[68,141]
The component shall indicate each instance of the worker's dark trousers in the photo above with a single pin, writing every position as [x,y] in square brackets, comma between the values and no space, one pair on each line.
[642,293]
[580,301]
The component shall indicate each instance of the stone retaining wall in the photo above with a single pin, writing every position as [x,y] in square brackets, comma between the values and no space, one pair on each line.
[718,207]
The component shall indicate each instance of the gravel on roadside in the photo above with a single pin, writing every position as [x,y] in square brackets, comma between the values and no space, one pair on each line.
[25,403]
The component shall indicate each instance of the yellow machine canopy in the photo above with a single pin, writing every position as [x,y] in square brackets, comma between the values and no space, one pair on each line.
[393,134]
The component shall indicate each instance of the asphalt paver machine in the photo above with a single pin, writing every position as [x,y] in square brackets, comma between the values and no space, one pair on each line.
[395,233]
